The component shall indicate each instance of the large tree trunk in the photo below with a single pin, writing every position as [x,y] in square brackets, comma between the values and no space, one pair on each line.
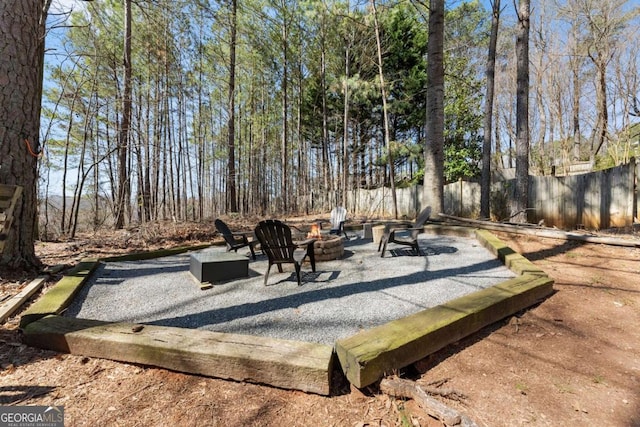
[576,63]
[434,142]
[485,188]
[387,138]
[22,29]
[519,209]
[285,108]
[345,126]
[124,185]
[328,188]
[601,100]
[232,199]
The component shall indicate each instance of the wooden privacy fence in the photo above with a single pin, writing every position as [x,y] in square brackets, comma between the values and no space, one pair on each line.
[379,202]
[595,200]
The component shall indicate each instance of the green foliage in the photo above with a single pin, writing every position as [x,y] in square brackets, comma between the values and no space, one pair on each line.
[620,148]
[463,92]
[408,151]
[404,67]
[461,163]
[180,54]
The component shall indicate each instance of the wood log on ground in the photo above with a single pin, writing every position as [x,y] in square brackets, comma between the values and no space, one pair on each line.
[398,387]
[534,230]
[10,306]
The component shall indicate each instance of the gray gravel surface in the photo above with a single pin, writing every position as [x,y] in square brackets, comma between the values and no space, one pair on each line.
[342,297]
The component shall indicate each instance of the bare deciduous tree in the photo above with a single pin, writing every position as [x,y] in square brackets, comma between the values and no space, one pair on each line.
[485,191]
[124,185]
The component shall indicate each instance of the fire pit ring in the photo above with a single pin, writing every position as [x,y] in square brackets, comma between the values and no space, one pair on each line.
[328,247]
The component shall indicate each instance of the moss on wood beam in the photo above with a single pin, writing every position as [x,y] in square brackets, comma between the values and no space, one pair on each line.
[511,259]
[61,294]
[369,355]
[280,363]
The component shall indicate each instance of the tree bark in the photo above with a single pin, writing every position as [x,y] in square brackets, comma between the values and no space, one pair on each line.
[285,110]
[387,138]
[345,125]
[232,199]
[576,63]
[434,142]
[601,101]
[123,137]
[22,38]
[485,188]
[521,200]
[325,119]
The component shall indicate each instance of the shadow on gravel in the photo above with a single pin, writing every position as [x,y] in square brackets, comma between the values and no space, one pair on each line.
[227,314]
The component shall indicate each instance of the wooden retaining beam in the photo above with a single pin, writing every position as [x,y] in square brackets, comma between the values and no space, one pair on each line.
[9,195]
[280,363]
[365,357]
[369,355]
[511,259]
[540,231]
[61,294]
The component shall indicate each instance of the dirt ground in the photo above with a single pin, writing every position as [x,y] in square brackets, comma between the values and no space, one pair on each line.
[572,360]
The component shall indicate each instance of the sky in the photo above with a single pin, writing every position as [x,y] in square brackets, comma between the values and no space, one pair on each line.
[58,6]
[53,51]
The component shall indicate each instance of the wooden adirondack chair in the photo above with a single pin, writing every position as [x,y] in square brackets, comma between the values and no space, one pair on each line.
[409,236]
[236,240]
[276,242]
[338,218]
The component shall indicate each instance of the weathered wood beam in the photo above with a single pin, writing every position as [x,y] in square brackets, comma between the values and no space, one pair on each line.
[12,304]
[369,355]
[280,363]
[512,260]
[56,299]
[534,230]
[7,191]
[9,195]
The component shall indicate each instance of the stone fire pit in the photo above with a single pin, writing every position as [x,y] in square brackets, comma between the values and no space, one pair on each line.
[328,247]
